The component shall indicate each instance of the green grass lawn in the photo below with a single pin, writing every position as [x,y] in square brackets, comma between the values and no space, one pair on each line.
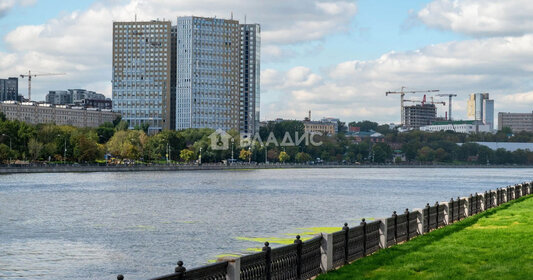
[496,244]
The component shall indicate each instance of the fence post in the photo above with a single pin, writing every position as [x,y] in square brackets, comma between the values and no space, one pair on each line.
[494,196]
[419,220]
[471,204]
[383,233]
[437,215]
[326,251]
[395,216]
[346,230]
[451,219]
[520,194]
[233,271]
[427,220]
[268,260]
[298,243]
[407,223]
[446,218]
[504,195]
[465,207]
[363,223]
[180,270]
[483,204]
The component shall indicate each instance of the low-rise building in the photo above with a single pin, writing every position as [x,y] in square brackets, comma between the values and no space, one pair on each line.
[516,121]
[469,126]
[35,113]
[372,136]
[326,128]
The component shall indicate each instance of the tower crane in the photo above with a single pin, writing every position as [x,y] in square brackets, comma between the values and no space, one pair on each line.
[449,103]
[437,102]
[402,93]
[30,75]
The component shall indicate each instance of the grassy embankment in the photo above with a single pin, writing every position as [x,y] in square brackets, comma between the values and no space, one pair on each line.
[496,244]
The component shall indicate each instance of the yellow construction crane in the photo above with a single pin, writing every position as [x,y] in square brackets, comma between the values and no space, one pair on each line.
[30,75]
[449,104]
[402,93]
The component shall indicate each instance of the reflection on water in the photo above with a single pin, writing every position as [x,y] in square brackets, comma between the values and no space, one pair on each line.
[97,225]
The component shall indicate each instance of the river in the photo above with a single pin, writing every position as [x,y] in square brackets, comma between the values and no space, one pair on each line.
[98,225]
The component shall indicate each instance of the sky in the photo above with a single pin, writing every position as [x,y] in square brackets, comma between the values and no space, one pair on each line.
[336,58]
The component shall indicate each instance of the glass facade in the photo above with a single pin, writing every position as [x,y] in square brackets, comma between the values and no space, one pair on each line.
[207,73]
[141,73]
[249,98]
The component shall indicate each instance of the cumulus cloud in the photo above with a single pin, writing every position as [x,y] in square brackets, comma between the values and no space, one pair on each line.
[480,17]
[355,90]
[79,43]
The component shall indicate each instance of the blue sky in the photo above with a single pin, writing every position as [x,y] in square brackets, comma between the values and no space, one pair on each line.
[356,51]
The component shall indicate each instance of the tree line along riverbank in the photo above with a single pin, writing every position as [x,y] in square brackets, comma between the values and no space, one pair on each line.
[66,144]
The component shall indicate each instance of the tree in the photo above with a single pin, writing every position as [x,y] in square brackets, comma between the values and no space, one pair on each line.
[379,154]
[5,152]
[302,157]
[186,155]
[245,154]
[283,157]
[105,131]
[127,144]
[34,148]
[426,154]
[365,125]
[86,149]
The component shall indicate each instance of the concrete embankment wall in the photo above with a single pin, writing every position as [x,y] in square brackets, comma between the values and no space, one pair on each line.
[137,168]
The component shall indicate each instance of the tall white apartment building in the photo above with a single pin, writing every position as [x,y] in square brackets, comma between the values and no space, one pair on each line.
[249,98]
[141,73]
[207,74]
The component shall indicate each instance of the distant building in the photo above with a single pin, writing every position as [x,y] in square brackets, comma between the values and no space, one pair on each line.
[9,89]
[334,121]
[354,129]
[372,136]
[419,115]
[72,97]
[326,128]
[468,127]
[481,108]
[34,113]
[96,103]
[58,97]
[516,121]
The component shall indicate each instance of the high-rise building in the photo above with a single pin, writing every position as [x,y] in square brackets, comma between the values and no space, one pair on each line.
[9,89]
[207,75]
[249,98]
[481,108]
[516,121]
[419,115]
[141,73]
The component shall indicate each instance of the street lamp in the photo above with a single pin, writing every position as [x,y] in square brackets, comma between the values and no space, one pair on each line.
[200,159]
[266,154]
[10,150]
[65,150]
[232,143]
[250,155]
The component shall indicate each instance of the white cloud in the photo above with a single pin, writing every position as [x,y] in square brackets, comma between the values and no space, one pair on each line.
[79,43]
[480,17]
[6,5]
[355,90]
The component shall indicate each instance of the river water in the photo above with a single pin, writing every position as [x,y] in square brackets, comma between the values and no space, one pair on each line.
[98,225]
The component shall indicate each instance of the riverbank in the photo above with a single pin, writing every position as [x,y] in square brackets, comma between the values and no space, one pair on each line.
[60,168]
[493,244]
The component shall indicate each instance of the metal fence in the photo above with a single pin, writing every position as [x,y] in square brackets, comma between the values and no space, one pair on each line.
[324,252]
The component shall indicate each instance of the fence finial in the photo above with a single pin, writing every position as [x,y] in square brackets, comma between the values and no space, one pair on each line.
[120,277]
[180,267]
